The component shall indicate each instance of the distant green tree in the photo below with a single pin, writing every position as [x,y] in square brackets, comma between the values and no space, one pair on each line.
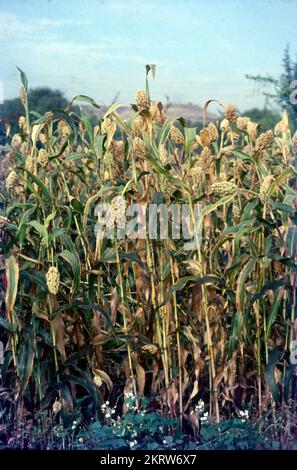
[266,117]
[40,100]
[281,86]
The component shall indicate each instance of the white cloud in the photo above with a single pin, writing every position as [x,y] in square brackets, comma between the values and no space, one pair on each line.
[49,23]
[15,27]
[82,53]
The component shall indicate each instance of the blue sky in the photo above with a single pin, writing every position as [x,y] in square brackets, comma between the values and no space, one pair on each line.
[202,48]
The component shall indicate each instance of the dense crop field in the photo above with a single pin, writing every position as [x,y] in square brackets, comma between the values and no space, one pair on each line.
[100,328]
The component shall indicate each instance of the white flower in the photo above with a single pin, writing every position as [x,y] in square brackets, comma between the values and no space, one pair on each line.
[133,443]
[204,417]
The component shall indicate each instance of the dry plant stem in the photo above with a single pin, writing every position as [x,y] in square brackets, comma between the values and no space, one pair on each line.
[177,325]
[88,264]
[150,258]
[213,393]
[50,256]
[53,334]
[262,279]
[13,337]
[164,316]
[124,315]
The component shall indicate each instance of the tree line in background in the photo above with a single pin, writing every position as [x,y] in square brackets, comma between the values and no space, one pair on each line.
[42,99]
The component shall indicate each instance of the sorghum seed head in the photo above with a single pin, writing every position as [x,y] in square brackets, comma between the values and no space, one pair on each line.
[223,188]
[151,348]
[11,180]
[43,157]
[119,206]
[3,222]
[242,122]
[139,146]
[157,113]
[196,174]
[163,154]
[294,142]
[138,125]
[105,126]
[230,112]
[236,213]
[97,380]
[49,116]
[141,99]
[116,213]
[23,124]
[264,140]
[53,280]
[30,164]
[57,406]
[176,135]
[225,124]
[213,132]
[63,128]
[16,141]
[252,129]
[42,138]
[22,95]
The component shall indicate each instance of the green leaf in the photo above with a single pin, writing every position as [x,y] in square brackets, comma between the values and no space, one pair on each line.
[190,133]
[73,261]
[5,324]
[240,291]
[105,377]
[26,359]
[75,156]
[24,78]
[182,282]
[211,207]
[236,331]
[275,310]
[36,277]
[164,134]
[39,228]
[85,99]
[112,109]
[12,280]
[275,357]
[42,186]
[291,241]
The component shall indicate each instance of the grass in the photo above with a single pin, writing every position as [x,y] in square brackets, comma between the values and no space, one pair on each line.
[88,320]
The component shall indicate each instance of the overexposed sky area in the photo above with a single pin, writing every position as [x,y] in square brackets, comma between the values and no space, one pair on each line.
[202,48]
